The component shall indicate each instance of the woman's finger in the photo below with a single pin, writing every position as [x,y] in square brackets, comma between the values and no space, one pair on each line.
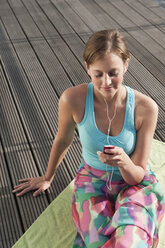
[109,159]
[37,192]
[104,157]
[24,191]
[20,187]
[24,180]
[114,152]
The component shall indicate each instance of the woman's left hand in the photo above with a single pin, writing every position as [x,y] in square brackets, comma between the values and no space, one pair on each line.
[114,157]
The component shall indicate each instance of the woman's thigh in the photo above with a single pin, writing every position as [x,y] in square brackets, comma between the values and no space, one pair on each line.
[91,212]
[93,206]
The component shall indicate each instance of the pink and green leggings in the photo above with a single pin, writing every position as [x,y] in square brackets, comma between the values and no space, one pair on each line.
[125,217]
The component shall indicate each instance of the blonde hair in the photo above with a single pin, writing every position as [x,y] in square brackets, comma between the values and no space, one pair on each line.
[104,42]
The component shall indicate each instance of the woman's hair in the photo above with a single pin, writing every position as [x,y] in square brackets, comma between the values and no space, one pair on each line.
[104,42]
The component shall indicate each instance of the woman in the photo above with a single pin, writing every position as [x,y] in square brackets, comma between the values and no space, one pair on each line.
[117,201]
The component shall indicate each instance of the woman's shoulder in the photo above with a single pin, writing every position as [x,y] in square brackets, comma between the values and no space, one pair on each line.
[75,94]
[74,98]
[145,107]
[143,101]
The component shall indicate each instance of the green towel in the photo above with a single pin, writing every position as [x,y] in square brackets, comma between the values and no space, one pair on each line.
[55,228]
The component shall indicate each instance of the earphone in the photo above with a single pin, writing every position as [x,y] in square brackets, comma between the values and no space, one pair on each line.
[109,179]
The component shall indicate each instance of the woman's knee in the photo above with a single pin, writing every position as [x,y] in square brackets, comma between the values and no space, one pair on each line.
[128,236]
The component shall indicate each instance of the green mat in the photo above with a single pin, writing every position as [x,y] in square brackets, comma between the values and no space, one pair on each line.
[55,229]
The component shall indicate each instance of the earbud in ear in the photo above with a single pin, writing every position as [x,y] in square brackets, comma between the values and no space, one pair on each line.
[89,74]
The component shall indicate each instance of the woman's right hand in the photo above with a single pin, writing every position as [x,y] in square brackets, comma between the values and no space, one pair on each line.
[39,184]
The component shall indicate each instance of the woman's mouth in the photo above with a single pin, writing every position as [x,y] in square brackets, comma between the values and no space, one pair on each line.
[107,88]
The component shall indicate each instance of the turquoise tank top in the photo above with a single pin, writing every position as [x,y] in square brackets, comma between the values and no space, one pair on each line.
[93,140]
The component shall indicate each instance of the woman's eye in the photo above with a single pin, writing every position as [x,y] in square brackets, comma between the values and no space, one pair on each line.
[113,74]
[110,74]
[97,76]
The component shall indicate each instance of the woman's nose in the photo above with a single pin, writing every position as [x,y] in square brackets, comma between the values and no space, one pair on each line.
[107,79]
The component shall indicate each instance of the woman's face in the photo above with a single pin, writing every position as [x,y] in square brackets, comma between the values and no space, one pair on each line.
[107,74]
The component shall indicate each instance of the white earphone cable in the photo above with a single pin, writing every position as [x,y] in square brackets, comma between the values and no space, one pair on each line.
[109,179]
[110,120]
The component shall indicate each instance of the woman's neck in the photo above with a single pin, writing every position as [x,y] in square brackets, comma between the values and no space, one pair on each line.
[117,98]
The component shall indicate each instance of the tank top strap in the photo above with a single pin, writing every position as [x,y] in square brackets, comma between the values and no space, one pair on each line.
[89,98]
[88,105]
[130,108]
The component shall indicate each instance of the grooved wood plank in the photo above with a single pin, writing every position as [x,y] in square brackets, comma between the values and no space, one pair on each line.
[56,18]
[10,221]
[13,28]
[120,18]
[71,16]
[18,156]
[157,36]
[105,20]
[40,142]
[59,46]
[85,15]
[162,28]
[28,26]
[148,81]
[132,81]
[147,3]
[25,54]
[73,68]
[152,64]
[158,10]
[37,15]
[152,46]
[52,66]
[144,12]
[136,18]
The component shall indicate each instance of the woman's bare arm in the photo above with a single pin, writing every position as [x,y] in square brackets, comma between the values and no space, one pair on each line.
[63,139]
[64,136]
[133,168]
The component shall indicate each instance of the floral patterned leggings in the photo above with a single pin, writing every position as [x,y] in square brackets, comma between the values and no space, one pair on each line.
[125,217]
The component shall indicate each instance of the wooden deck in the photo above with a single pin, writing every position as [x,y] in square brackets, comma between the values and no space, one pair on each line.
[41,47]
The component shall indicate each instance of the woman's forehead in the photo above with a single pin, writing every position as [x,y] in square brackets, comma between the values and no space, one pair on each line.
[111,61]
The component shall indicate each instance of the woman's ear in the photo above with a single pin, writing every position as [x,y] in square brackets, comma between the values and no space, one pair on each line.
[87,69]
[126,64]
